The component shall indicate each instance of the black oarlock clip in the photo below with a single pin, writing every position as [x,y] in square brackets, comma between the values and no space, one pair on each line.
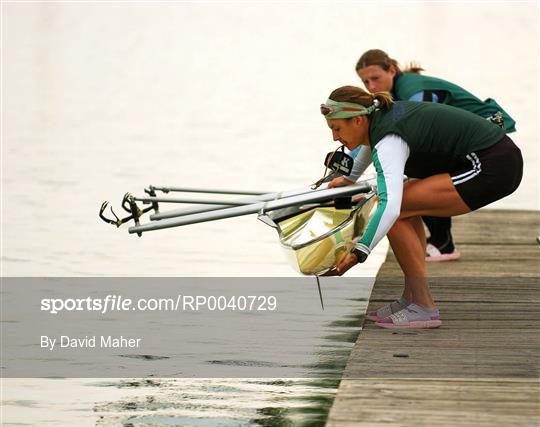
[152,193]
[343,203]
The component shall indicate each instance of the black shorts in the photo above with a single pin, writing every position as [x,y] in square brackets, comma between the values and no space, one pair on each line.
[481,177]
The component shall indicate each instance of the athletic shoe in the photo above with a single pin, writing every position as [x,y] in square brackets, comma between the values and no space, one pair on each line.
[412,317]
[387,310]
[433,254]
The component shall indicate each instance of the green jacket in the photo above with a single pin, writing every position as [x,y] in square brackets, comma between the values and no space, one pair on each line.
[407,84]
[430,127]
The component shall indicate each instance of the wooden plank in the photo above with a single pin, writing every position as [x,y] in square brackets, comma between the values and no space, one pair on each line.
[428,402]
[481,260]
[509,296]
[482,367]
[497,227]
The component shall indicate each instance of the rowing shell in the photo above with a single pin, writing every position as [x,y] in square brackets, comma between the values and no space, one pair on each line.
[317,239]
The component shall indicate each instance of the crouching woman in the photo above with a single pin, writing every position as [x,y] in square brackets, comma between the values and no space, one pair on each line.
[461,163]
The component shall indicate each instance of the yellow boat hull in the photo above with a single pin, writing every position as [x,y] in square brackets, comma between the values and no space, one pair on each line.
[316,240]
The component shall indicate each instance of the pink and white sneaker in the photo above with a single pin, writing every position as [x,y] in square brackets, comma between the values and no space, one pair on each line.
[412,317]
[434,255]
[387,310]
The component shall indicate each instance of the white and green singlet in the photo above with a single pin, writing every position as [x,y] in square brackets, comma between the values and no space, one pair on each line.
[407,128]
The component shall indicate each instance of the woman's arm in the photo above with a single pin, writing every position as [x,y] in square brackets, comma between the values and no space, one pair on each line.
[389,157]
[361,162]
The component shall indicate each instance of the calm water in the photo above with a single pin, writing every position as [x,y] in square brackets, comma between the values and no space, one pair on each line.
[103,98]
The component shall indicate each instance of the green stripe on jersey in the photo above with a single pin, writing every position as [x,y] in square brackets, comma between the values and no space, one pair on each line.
[369,234]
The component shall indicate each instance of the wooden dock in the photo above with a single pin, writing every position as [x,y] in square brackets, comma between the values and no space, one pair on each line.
[481,368]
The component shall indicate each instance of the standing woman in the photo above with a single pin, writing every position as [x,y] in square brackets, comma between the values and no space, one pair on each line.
[379,72]
[467,163]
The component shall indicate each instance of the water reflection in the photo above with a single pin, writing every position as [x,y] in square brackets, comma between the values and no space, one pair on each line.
[238,402]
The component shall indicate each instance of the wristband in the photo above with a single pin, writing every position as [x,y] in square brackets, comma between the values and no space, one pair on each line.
[360,255]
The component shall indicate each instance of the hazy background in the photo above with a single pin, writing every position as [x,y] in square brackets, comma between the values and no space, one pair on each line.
[100,98]
[103,98]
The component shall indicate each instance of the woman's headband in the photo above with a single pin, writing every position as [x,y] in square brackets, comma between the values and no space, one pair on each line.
[344,110]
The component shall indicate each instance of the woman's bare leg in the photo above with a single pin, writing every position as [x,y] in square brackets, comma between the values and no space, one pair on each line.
[418,227]
[409,251]
[433,196]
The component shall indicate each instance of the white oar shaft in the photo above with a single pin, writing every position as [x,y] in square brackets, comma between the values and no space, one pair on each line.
[243,201]
[175,213]
[166,189]
[317,196]
[190,201]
